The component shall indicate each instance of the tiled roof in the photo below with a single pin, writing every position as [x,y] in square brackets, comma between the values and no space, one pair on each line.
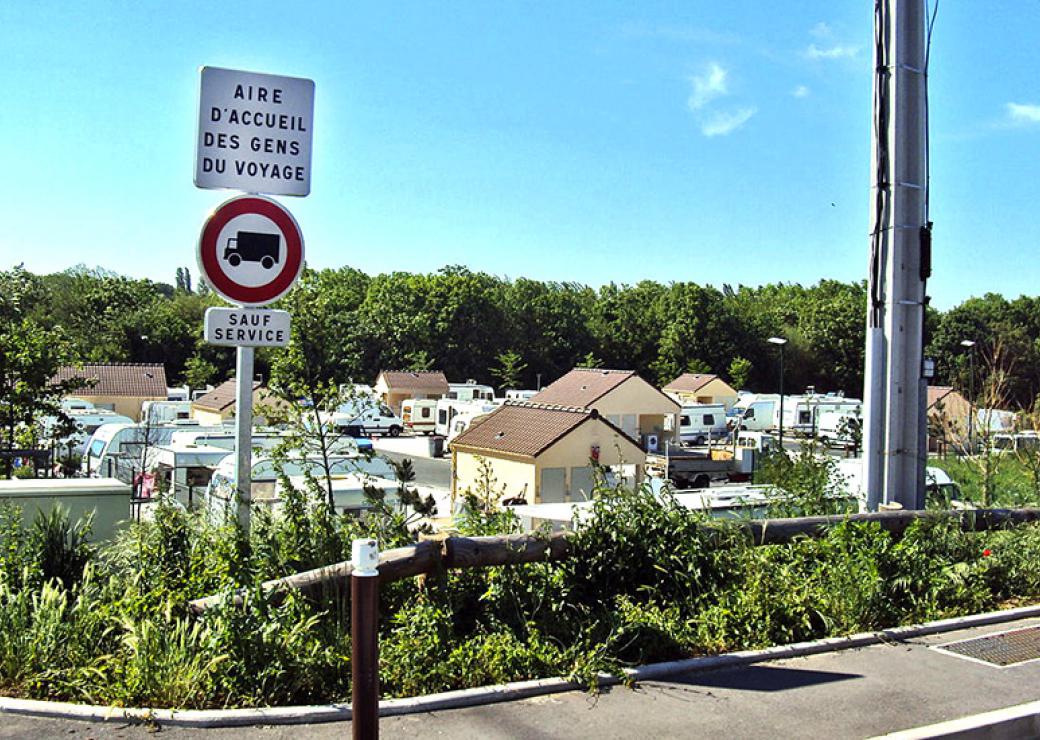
[407,380]
[582,386]
[521,428]
[136,380]
[220,398]
[690,382]
[937,393]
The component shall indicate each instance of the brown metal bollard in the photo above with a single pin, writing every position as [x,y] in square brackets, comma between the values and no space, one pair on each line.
[364,640]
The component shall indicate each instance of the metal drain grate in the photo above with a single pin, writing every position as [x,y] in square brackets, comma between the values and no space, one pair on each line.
[1000,649]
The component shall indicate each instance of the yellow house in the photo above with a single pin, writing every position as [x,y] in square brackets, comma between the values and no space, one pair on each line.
[691,388]
[119,386]
[218,406]
[541,454]
[621,397]
[397,386]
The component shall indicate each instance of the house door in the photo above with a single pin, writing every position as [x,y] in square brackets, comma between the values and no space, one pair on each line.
[554,486]
[581,484]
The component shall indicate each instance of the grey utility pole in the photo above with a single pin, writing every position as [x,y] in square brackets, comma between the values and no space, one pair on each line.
[900,244]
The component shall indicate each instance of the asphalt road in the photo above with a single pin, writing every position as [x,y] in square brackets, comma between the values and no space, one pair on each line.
[846,694]
[429,471]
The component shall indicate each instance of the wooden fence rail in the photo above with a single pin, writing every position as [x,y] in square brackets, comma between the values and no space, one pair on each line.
[431,556]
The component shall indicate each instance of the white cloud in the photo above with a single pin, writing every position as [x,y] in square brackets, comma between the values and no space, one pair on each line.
[800,92]
[821,31]
[723,122]
[837,51]
[1023,114]
[707,87]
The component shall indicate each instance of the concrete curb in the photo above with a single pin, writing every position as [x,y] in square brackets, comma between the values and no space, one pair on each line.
[501,692]
[1019,721]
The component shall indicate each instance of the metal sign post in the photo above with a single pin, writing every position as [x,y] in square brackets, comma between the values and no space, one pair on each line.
[244,433]
[254,134]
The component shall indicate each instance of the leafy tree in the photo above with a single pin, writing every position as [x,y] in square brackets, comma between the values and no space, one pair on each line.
[510,367]
[200,372]
[739,372]
[30,356]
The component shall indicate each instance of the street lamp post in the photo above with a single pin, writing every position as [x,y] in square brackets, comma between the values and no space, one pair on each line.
[970,346]
[780,342]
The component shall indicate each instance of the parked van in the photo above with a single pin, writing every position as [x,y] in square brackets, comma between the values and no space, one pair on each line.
[448,409]
[470,391]
[834,426]
[364,417]
[758,412]
[699,423]
[420,415]
[520,395]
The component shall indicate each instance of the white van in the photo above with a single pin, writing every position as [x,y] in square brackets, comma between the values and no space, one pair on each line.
[758,413]
[833,426]
[514,394]
[699,423]
[803,414]
[420,415]
[365,417]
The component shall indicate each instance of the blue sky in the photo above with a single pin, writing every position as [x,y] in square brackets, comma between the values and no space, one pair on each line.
[595,142]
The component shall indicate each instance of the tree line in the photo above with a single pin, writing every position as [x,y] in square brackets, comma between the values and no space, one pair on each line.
[348,325]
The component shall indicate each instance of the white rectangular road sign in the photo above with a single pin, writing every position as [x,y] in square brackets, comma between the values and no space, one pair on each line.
[247,327]
[254,132]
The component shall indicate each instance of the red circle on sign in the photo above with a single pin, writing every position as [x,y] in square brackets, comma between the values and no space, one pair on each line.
[225,286]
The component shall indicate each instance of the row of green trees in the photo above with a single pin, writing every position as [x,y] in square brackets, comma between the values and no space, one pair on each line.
[348,325]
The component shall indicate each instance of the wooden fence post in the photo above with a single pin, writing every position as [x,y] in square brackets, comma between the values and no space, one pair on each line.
[364,639]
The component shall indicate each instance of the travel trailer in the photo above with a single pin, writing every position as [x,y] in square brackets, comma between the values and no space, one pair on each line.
[420,415]
[699,423]
[448,409]
[470,391]
[350,475]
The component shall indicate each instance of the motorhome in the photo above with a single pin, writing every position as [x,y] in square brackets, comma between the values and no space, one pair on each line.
[448,409]
[420,415]
[350,475]
[699,423]
[463,421]
[470,391]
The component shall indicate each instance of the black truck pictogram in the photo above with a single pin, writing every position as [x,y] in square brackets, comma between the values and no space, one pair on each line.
[252,246]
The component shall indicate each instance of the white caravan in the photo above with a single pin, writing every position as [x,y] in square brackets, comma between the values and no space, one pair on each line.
[350,475]
[162,412]
[699,423]
[448,409]
[802,413]
[87,421]
[420,415]
[470,391]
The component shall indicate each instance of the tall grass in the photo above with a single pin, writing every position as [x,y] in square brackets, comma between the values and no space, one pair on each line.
[649,580]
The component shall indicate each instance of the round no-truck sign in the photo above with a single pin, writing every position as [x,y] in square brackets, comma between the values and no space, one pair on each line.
[251,250]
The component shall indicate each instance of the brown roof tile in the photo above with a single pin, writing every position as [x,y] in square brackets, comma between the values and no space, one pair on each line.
[406,380]
[524,429]
[690,382]
[135,380]
[582,386]
[220,398]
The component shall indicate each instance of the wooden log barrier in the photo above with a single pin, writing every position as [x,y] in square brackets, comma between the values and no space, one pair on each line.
[481,552]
